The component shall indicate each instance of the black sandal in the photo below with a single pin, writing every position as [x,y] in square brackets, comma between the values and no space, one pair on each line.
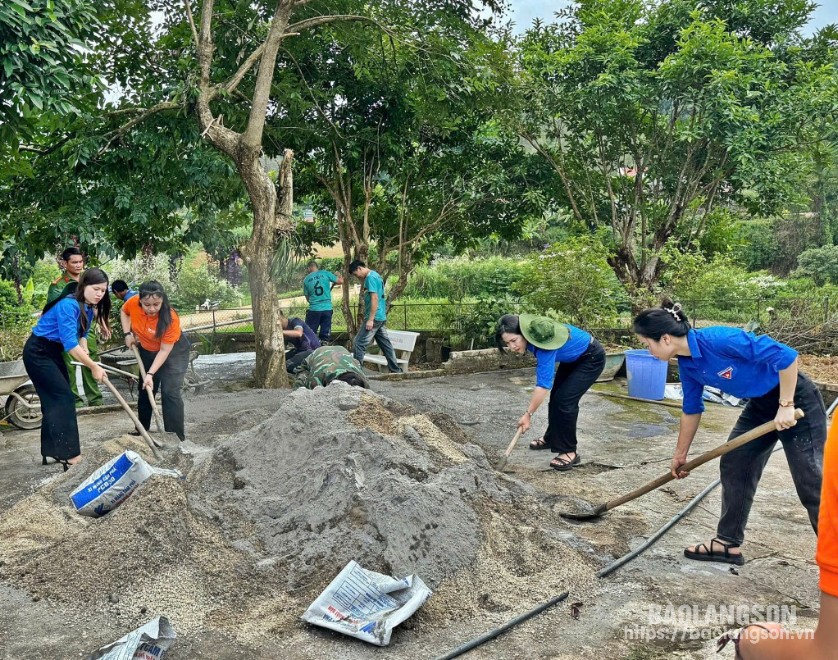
[709,555]
[735,636]
[55,460]
[563,465]
[541,443]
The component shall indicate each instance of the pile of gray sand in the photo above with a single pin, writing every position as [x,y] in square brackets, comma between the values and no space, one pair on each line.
[263,522]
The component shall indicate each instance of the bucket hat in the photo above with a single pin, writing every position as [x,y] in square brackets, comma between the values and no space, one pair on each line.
[543,332]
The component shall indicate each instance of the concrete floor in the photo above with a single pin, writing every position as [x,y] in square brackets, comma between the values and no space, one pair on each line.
[622,443]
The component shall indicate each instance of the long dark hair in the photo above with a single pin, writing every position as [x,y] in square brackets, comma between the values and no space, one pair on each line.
[164,316]
[668,319]
[507,323]
[103,308]
[76,290]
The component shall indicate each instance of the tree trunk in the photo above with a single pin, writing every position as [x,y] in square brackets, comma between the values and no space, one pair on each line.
[269,220]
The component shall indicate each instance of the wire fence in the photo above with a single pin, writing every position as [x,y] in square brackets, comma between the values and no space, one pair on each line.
[801,320]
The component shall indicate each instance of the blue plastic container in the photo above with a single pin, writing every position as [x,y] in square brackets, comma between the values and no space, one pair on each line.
[646,375]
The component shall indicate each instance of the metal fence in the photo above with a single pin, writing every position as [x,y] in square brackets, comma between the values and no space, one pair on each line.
[772,314]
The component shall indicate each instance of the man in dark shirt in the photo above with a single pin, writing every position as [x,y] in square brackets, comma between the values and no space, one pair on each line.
[298,335]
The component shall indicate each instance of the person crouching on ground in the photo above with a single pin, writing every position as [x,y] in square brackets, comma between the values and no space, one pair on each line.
[64,326]
[149,321]
[769,641]
[581,360]
[299,338]
[327,364]
[763,371]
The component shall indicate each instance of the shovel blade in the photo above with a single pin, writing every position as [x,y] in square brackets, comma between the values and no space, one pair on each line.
[591,514]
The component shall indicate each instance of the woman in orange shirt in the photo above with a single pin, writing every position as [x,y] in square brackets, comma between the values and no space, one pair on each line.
[769,641]
[149,321]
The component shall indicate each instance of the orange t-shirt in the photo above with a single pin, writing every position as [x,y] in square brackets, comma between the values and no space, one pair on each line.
[144,326]
[827,554]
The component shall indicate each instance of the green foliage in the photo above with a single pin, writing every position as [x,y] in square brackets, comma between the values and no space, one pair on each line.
[574,282]
[197,282]
[16,321]
[718,289]
[142,269]
[652,114]
[43,70]
[821,264]
[479,320]
[460,277]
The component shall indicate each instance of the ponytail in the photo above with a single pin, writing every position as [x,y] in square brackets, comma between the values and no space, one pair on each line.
[668,319]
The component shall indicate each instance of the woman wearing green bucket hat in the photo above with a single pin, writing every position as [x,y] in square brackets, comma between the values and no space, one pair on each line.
[581,360]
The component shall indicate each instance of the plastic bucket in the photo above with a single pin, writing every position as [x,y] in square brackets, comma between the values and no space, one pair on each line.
[646,375]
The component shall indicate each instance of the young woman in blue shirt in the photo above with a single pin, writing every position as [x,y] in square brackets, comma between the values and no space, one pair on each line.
[580,359]
[64,326]
[756,368]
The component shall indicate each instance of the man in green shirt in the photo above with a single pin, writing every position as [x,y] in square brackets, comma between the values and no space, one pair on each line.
[73,268]
[317,288]
[375,315]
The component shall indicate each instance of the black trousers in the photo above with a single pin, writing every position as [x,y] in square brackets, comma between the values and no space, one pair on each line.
[169,380]
[46,368]
[572,380]
[803,445]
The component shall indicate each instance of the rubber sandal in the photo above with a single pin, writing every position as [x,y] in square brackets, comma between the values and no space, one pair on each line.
[709,555]
[563,465]
[539,444]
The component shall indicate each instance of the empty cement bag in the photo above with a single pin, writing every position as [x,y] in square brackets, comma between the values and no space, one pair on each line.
[113,483]
[148,642]
[366,604]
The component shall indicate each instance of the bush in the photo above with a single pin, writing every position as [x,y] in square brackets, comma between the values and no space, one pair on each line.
[717,289]
[459,278]
[16,322]
[574,282]
[196,283]
[821,264]
[142,269]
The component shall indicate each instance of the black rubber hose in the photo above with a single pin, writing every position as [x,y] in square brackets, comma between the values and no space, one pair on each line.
[485,637]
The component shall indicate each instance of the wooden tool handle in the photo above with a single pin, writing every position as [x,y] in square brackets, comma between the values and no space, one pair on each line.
[133,417]
[157,420]
[514,442]
[707,456]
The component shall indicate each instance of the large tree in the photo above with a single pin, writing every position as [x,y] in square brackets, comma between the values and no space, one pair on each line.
[210,68]
[652,114]
[398,142]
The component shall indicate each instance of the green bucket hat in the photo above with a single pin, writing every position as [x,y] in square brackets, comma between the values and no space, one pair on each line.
[543,332]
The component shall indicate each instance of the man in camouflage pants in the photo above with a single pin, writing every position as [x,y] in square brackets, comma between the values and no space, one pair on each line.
[325,364]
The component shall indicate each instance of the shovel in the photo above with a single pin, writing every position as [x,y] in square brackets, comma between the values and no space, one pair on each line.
[170,437]
[753,434]
[508,452]
[152,442]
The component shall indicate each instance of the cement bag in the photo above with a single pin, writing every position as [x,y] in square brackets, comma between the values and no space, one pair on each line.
[367,605]
[148,642]
[111,484]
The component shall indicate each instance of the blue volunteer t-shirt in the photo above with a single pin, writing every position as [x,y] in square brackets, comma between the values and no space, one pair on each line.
[317,288]
[546,360]
[308,342]
[735,361]
[61,323]
[374,284]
